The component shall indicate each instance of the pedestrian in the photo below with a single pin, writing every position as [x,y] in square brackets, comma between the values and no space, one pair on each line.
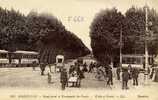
[71,69]
[125,78]
[85,67]
[50,69]
[80,75]
[63,78]
[109,77]
[49,77]
[156,75]
[90,67]
[118,70]
[130,71]
[152,73]
[34,64]
[42,67]
[135,74]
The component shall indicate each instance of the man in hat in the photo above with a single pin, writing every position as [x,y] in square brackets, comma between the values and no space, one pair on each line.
[63,78]
[125,78]
[135,74]
[42,67]
[109,76]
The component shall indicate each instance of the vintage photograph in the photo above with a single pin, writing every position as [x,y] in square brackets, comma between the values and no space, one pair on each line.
[78,49]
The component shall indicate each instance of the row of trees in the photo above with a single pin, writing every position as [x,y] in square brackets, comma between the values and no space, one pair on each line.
[108,25]
[39,32]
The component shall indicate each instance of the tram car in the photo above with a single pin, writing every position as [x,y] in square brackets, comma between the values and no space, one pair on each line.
[4,58]
[136,61]
[24,58]
[18,58]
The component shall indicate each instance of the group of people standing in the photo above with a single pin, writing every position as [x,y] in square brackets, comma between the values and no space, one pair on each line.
[128,74]
[78,70]
[75,72]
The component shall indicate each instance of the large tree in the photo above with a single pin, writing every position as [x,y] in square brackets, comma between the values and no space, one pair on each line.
[135,18]
[12,28]
[109,24]
[52,38]
[39,32]
[105,34]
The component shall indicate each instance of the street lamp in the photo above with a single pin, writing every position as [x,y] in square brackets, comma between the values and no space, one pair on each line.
[121,46]
[146,44]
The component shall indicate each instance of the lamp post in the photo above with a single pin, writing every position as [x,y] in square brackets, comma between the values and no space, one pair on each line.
[121,46]
[146,45]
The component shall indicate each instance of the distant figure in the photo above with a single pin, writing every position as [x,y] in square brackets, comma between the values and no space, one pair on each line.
[135,74]
[85,67]
[118,70]
[34,64]
[156,75]
[130,71]
[63,78]
[49,77]
[90,67]
[110,77]
[42,67]
[49,66]
[152,73]
[80,75]
[125,78]
[71,69]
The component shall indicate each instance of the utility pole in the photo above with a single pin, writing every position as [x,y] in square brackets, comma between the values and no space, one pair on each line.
[121,46]
[146,44]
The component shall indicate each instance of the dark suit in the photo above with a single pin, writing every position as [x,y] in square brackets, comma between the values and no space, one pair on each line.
[109,75]
[125,78]
[63,79]
[135,74]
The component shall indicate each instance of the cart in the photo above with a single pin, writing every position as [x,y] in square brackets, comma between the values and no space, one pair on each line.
[74,79]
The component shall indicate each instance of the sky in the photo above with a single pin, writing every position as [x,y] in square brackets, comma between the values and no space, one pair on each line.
[76,15]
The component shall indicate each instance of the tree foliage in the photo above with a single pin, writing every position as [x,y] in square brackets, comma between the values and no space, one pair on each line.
[105,33]
[106,28]
[38,32]
[136,29]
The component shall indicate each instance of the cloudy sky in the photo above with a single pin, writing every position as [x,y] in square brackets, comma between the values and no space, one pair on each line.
[76,15]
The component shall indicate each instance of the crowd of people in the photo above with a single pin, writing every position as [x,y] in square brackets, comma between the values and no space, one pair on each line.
[102,73]
[75,74]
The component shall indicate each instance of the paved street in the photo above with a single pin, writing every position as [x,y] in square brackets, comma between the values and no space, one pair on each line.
[27,79]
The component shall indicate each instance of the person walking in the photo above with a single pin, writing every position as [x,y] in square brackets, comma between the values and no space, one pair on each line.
[49,77]
[63,78]
[110,77]
[85,67]
[135,74]
[118,70]
[125,78]
[34,64]
[130,71]
[42,67]
[90,67]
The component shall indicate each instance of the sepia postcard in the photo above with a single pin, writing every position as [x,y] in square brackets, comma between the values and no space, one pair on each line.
[78,49]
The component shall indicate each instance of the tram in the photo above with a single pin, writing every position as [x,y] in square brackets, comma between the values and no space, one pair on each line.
[24,58]
[3,57]
[137,61]
[18,58]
